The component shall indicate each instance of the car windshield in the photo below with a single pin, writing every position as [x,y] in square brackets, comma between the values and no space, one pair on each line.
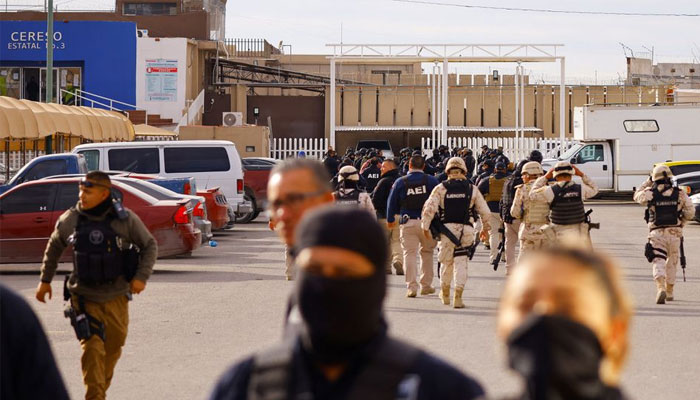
[374,144]
[569,153]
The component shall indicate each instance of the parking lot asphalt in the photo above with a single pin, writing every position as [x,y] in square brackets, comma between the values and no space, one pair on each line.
[200,314]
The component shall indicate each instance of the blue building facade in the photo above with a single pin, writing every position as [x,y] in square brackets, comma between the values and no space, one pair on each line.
[96,56]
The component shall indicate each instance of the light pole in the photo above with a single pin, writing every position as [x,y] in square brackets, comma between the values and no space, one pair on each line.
[49,53]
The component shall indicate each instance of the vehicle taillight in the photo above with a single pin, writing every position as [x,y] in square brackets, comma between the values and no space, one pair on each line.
[182,216]
[239,185]
[188,188]
[199,211]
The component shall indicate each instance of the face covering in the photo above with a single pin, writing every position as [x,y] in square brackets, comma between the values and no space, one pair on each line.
[339,314]
[559,359]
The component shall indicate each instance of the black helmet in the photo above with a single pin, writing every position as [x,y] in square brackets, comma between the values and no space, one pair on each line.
[500,166]
[535,155]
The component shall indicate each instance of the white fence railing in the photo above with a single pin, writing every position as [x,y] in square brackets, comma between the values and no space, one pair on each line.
[548,147]
[281,148]
[16,159]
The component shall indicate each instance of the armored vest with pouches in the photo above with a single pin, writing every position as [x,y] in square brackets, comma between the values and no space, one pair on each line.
[567,206]
[457,202]
[347,198]
[662,210]
[97,254]
[495,189]
[534,212]
[416,194]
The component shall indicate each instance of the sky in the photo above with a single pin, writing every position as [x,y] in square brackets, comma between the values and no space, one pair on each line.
[592,42]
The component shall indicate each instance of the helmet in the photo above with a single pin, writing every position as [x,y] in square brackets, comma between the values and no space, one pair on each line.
[417,153]
[348,172]
[660,173]
[489,163]
[363,151]
[500,166]
[563,167]
[535,155]
[532,168]
[455,162]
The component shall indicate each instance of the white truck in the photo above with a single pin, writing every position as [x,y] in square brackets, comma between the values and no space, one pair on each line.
[619,145]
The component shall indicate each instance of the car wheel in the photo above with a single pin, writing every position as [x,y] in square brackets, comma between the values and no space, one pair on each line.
[247,217]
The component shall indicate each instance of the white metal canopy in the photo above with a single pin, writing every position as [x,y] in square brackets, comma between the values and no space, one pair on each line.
[446,53]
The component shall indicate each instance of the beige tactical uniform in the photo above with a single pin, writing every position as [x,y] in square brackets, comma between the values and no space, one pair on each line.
[534,215]
[453,268]
[666,239]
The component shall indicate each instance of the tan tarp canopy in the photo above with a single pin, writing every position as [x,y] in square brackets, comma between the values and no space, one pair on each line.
[25,119]
[147,130]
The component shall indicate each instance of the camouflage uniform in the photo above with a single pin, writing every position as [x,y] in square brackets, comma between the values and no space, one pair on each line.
[534,214]
[450,265]
[666,239]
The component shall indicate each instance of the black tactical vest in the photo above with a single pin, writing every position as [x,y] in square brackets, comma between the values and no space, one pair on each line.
[567,206]
[97,258]
[457,201]
[416,194]
[663,210]
[372,176]
[347,199]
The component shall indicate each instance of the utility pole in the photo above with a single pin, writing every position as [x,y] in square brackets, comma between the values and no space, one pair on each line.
[49,53]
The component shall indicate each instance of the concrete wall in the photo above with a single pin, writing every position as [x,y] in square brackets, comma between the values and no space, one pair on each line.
[251,141]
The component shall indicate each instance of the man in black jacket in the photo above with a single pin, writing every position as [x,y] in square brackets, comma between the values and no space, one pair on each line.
[380,195]
[342,349]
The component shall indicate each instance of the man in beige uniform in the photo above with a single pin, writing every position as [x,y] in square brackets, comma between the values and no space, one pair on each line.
[454,200]
[534,214]
[99,284]
[565,199]
[668,209]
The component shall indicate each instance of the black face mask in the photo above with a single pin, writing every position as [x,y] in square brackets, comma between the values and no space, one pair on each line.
[339,314]
[559,359]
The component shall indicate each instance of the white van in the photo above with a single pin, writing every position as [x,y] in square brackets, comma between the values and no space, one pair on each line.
[211,162]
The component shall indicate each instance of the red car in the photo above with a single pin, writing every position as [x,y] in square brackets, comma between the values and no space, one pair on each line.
[217,208]
[29,211]
[256,172]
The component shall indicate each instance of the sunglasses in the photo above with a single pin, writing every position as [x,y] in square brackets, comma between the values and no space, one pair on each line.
[89,184]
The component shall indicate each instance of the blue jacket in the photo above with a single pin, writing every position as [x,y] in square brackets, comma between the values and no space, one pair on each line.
[398,193]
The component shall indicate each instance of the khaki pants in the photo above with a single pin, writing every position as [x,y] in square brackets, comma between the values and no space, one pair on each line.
[454,267]
[289,270]
[494,235]
[511,243]
[394,242]
[100,357]
[554,234]
[668,240]
[414,242]
[531,238]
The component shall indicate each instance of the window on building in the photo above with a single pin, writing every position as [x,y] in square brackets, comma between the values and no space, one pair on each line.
[150,8]
[641,126]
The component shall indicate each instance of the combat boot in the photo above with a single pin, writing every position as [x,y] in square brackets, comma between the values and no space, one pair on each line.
[445,295]
[398,267]
[427,290]
[660,290]
[669,291]
[458,298]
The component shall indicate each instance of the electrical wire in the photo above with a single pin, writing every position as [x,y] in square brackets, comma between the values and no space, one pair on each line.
[544,10]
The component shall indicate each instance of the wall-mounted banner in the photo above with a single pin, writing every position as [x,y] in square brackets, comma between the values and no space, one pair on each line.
[161,80]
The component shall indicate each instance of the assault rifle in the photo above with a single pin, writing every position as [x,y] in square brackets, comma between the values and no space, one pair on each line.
[437,228]
[683,261]
[501,248]
[591,225]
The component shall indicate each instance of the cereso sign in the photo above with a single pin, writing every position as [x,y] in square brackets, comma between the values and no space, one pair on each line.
[30,40]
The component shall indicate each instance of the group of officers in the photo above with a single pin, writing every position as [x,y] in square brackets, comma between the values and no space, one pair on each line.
[346,268]
[441,202]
